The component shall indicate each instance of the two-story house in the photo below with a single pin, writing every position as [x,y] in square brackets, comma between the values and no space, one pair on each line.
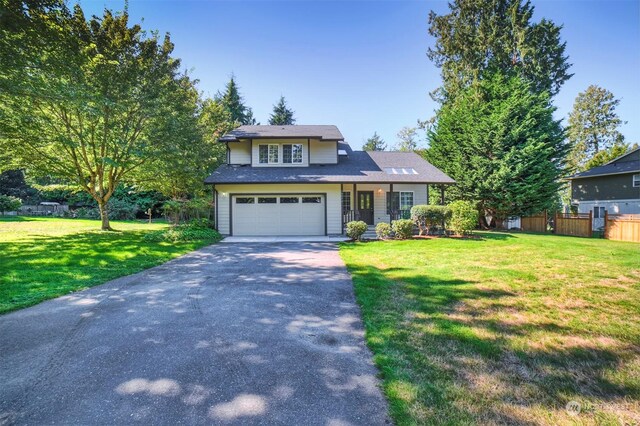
[305,180]
[614,187]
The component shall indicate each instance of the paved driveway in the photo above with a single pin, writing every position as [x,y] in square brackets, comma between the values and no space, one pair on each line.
[233,333]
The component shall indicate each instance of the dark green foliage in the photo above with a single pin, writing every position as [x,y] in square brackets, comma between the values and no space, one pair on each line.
[355,229]
[194,231]
[9,203]
[233,104]
[383,230]
[593,128]
[463,217]
[427,217]
[501,144]
[282,114]
[477,35]
[374,143]
[402,228]
[177,211]
[12,182]
[609,154]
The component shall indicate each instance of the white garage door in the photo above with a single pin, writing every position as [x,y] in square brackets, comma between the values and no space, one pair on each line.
[287,214]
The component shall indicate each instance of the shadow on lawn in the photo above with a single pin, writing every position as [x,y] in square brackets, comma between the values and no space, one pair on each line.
[16,218]
[429,332]
[49,266]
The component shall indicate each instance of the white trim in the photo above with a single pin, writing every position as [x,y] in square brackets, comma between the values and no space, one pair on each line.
[623,200]
[413,199]
[603,174]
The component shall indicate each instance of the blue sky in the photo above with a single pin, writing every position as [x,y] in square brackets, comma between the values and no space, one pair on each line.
[362,65]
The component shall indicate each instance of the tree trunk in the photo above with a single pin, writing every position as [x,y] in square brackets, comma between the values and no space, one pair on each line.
[104,217]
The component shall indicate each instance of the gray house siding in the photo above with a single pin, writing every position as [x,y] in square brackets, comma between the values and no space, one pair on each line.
[612,187]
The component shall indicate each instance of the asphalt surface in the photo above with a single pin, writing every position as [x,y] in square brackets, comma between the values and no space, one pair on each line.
[229,334]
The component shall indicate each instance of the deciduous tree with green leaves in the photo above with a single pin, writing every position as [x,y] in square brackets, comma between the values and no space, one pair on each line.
[499,141]
[282,114]
[407,139]
[86,101]
[593,128]
[478,34]
[374,143]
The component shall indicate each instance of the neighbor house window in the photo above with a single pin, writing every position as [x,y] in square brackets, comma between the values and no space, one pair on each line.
[292,153]
[598,212]
[402,200]
[636,180]
[346,202]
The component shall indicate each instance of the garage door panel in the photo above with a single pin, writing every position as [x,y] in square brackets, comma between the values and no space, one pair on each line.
[263,217]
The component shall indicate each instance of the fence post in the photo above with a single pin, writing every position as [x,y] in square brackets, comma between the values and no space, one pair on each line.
[555,222]
[590,223]
[606,222]
[545,221]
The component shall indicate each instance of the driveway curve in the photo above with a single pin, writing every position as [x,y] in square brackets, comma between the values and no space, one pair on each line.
[229,334]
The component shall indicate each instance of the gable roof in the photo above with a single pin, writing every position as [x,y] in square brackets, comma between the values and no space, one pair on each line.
[322,132]
[627,163]
[356,167]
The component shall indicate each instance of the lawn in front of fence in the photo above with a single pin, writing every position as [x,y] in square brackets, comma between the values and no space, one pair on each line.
[41,258]
[504,328]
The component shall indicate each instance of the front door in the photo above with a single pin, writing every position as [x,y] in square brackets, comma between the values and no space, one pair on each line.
[365,206]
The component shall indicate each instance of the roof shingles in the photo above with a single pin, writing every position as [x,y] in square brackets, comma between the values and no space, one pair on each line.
[358,166]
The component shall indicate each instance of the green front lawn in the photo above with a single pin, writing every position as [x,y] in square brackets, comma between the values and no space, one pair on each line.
[41,258]
[508,328]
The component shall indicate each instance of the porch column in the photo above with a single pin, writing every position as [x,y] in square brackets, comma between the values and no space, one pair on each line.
[442,195]
[389,204]
[355,202]
[341,207]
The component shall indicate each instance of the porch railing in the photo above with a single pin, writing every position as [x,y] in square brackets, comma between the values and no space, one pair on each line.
[350,215]
[400,214]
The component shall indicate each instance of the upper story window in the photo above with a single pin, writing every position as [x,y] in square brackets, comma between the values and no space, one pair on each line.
[268,154]
[292,153]
[636,180]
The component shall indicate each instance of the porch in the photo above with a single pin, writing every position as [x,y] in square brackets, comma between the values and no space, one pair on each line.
[375,203]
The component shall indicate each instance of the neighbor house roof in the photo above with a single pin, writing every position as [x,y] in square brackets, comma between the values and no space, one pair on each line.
[322,132]
[356,167]
[619,165]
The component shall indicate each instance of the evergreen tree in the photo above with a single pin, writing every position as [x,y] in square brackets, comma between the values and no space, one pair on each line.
[499,141]
[593,127]
[478,34]
[233,103]
[407,139]
[374,143]
[282,115]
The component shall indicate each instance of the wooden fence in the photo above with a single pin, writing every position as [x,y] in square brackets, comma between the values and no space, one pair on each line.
[537,223]
[575,224]
[622,227]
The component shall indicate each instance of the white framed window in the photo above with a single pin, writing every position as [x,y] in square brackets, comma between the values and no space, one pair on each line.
[406,200]
[402,200]
[273,153]
[598,212]
[292,153]
[636,180]
[263,154]
[346,201]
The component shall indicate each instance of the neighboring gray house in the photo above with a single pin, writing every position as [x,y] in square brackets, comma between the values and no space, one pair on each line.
[305,180]
[614,187]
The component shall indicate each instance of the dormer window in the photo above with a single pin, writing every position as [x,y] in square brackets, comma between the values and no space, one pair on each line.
[292,153]
[268,154]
